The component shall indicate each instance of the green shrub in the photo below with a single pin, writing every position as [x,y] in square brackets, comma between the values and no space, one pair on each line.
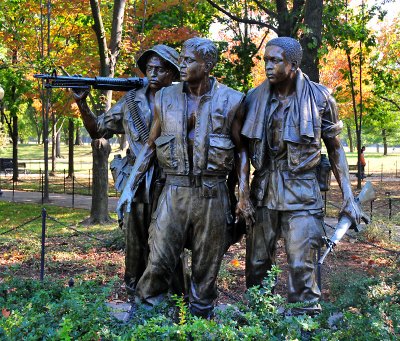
[364,309]
[377,230]
[370,306]
[53,311]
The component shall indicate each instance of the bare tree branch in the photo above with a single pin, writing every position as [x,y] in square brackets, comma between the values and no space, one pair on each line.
[297,13]
[98,28]
[397,105]
[116,33]
[238,19]
[116,29]
[259,46]
[266,10]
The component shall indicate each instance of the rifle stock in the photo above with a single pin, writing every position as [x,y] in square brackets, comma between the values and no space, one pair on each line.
[367,194]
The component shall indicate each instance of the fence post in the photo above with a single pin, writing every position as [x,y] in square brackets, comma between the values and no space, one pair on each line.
[44,214]
[390,216]
[73,191]
[13,188]
[41,183]
[371,203]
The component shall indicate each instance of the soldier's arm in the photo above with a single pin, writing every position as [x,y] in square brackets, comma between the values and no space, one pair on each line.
[244,206]
[89,119]
[104,125]
[142,164]
[337,158]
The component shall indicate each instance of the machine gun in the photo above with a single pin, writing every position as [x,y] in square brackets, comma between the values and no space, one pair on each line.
[367,194]
[102,83]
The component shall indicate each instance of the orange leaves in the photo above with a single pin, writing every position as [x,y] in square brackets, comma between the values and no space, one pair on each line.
[235,263]
[149,8]
[13,256]
[6,313]
[172,35]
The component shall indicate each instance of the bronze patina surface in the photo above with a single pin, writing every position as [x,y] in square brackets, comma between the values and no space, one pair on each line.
[133,115]
[287,117]
[195,135]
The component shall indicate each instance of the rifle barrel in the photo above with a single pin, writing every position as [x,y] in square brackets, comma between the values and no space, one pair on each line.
[104,83]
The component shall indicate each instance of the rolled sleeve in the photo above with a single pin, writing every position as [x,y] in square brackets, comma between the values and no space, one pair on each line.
[331,126]
[111,122]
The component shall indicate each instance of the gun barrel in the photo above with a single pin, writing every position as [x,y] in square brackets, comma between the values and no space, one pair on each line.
[104,83]
[327,251]
[341,228]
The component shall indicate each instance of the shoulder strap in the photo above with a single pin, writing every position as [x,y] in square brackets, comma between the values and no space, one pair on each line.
[137,119]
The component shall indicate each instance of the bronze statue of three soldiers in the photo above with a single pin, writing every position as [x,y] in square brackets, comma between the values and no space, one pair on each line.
[187,138]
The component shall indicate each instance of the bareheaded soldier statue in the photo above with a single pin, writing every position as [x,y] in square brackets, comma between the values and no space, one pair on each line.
[287,116]
[195,134]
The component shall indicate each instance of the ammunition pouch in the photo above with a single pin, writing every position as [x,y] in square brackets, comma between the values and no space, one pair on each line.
[121,169]
[323,171]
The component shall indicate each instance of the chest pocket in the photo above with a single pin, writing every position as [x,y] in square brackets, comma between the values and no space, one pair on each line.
[166,151]
[220,153]
[300,188]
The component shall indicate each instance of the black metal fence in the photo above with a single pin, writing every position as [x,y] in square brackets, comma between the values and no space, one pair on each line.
[72,185]
[387,206]
[44,218]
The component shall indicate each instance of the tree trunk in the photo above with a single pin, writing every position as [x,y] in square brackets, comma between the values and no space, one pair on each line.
[53,144]
[78,140]
[58,144]
[101,147]
[311,41]
[99,211]
[284,25]
[350,138]
[356,116]
[384,140]
[70,148]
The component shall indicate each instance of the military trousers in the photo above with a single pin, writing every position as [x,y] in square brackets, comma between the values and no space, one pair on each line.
[302,233]
[136,225]
[192,214]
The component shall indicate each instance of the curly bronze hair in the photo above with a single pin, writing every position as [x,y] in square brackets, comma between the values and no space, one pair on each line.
[292,48]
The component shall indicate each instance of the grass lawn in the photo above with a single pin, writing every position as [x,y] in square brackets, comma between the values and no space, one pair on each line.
[32,155]
[377,162]
[71,249]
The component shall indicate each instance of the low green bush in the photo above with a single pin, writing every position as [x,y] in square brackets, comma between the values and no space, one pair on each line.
[369,306]
[364,308]
[32,310]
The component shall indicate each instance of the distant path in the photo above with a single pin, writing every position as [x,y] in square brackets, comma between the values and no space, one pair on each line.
[56,199]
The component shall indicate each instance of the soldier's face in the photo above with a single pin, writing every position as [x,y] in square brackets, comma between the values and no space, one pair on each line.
[192,66]
[158,73]
[277,68]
